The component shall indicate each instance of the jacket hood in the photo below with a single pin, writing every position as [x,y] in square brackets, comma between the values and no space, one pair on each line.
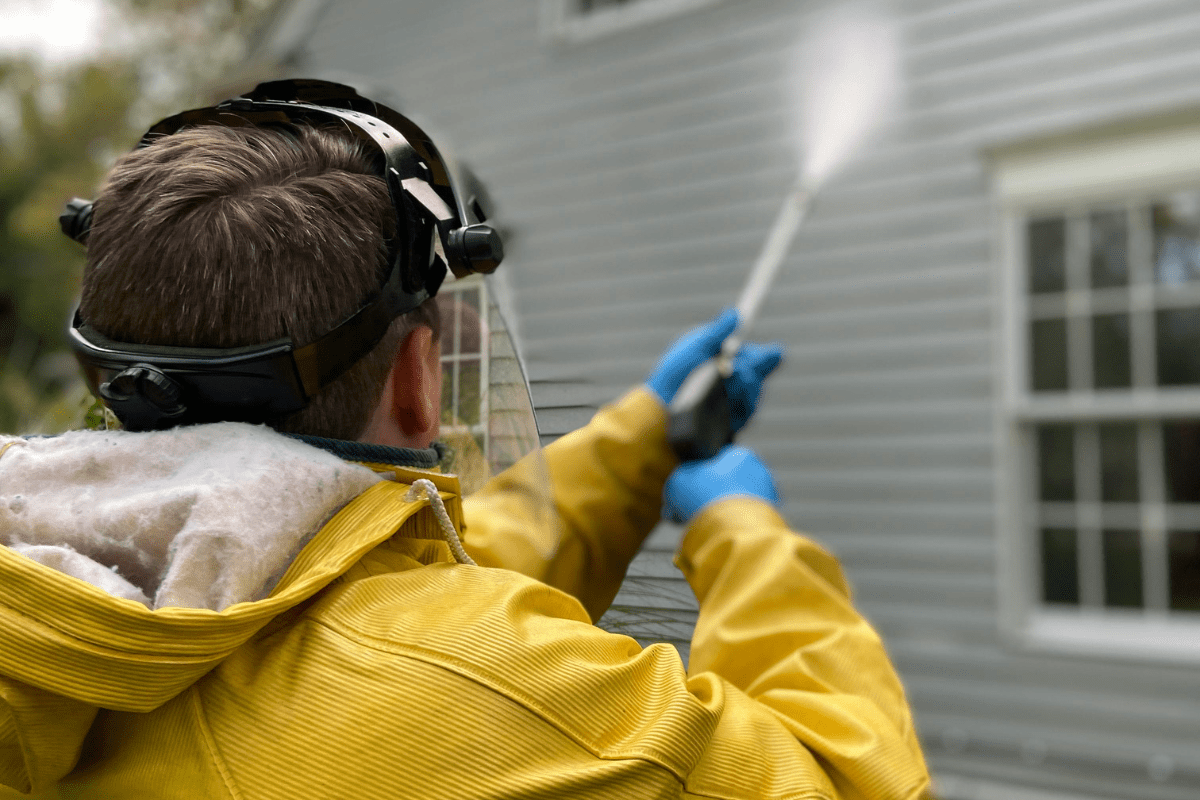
[132,563]
[197,517]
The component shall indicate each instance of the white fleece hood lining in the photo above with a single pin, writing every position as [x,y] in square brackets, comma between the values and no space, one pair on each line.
[196,517]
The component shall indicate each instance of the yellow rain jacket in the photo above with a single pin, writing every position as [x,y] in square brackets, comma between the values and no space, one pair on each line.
[378,667]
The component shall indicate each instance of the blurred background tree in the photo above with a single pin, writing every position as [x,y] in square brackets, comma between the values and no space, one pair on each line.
[63,120]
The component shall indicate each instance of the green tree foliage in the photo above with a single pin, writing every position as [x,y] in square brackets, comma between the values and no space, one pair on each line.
[60,129]
[54,147]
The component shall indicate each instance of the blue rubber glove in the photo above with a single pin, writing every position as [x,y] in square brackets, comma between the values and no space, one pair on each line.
[732,472]
[752,364]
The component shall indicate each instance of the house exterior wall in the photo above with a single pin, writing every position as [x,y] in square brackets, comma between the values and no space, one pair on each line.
[640,170]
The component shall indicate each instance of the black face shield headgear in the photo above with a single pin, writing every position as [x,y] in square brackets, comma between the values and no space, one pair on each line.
[440,225]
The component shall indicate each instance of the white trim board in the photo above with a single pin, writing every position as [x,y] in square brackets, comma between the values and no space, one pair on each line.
[1133,638]
[1098,169]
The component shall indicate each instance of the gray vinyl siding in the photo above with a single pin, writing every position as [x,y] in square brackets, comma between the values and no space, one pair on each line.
[640,172]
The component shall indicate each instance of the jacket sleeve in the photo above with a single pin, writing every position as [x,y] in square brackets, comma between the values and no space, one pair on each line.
[574,514]
[777,623]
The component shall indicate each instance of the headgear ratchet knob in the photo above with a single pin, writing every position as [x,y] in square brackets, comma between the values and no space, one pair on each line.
[479,245]
[143,398]
[76,219]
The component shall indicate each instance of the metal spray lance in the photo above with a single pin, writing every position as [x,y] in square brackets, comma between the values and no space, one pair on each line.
[848,79]
[699,422]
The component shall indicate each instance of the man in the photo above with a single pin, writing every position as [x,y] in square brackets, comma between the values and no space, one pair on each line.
[219,610]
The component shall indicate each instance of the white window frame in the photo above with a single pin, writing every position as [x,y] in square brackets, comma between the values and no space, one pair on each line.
[562,20]
[450,329]
[1121,164]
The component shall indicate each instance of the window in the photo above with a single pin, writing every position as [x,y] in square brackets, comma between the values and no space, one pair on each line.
[584,20]
[464,369]
[487,418]
[1101,424]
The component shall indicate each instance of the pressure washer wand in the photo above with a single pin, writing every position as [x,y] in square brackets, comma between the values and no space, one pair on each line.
[699,422]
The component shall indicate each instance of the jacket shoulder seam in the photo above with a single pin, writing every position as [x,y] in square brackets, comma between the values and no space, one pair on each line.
[210,744]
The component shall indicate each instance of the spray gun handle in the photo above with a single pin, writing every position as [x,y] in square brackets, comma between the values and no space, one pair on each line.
[698,421]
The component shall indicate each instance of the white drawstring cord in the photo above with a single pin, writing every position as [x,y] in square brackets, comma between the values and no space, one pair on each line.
[439,510]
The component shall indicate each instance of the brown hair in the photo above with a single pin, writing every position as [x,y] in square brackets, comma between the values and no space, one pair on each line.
[224,237]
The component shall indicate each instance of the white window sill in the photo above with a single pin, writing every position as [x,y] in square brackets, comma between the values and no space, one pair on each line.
[1127,637]
[561,22]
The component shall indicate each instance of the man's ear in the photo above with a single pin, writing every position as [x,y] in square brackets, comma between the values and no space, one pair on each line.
[416,384]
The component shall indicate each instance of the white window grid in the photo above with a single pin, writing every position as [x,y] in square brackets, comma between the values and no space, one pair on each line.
[572,21]
[456,357]
[1144,404]
[1130,171]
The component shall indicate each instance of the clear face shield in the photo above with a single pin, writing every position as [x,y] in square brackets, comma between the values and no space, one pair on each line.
[488,422]
[487,417]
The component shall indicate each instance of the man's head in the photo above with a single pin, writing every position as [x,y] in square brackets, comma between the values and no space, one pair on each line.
[225,237]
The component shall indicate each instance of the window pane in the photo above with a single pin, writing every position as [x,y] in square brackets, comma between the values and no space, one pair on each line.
[1118,463]
[1060,571]
[447,304]
[1047,255]
[1181,454]
[462,325]
[1176,249]
[1185,571]
[1109,256]
[1056,462]
[448,393]
[470,299]
[1178,346]
[1110,351]
[1122,569]
[470,323]
[1048,343]
[469,394]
